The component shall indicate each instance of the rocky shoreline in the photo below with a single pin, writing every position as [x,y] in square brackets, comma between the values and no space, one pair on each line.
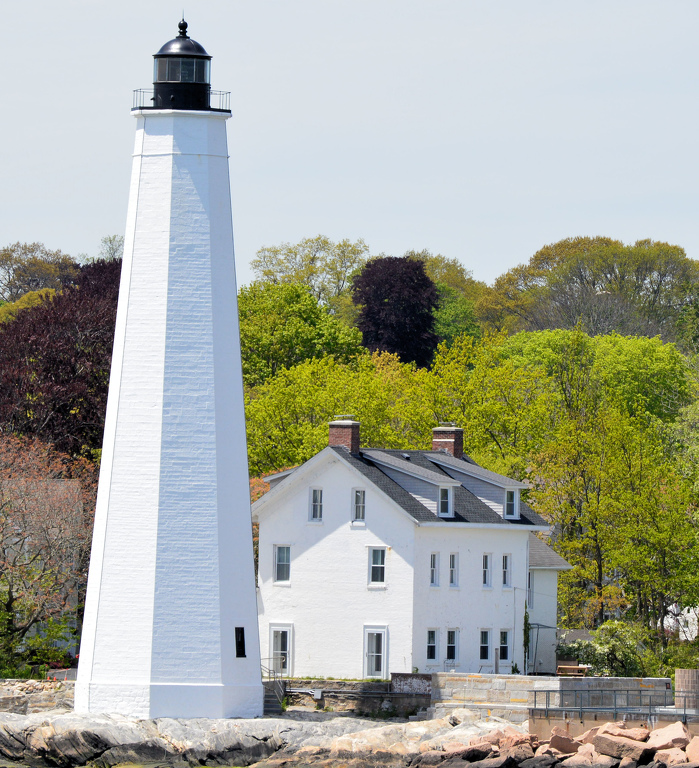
[66,739]
[63,739]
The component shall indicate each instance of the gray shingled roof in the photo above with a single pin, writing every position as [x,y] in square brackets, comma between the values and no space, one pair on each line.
[471,468]
[410,467]
[468,508]
[542,556]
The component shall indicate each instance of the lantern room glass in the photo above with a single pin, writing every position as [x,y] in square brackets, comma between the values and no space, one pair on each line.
[182,70]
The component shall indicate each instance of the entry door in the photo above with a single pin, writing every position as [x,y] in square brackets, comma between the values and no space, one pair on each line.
[375,652]
[281,646]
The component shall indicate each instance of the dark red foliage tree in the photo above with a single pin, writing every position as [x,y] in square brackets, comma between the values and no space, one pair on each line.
[55,359]
[397,301]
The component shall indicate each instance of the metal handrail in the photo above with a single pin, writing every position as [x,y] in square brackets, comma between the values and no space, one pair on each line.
[276,677]
[220,101]
[616,701]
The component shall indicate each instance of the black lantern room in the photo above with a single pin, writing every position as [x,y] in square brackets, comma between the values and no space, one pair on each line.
[182,74]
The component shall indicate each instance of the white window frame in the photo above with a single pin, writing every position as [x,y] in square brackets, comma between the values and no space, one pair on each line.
[376,584]
[315,505]
[454,645]
[507,645]
[515,504]
[432,634]
[507,571]
[359,506]
[434,569]
[383,631]
[453,570]
[276,563]
[449,511]
[482,645]
[289,629]
[486,577]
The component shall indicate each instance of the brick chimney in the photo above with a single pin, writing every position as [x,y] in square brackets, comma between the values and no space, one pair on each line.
[344,431]
[449,438]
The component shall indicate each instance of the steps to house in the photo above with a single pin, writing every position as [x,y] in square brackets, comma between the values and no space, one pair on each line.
[273,697]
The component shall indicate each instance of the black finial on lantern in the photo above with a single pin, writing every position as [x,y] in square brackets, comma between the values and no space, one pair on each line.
[182,75]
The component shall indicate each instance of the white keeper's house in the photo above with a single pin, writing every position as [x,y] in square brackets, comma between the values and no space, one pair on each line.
[375,561]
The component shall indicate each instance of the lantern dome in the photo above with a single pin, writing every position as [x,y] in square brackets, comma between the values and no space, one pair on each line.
[182,74]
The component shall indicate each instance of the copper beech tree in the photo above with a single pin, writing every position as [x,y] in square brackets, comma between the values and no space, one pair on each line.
[46,510]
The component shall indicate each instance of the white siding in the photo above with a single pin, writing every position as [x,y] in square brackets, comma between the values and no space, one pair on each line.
[470,607]
[328,600]
[543,611]
[426,493]
[490,494]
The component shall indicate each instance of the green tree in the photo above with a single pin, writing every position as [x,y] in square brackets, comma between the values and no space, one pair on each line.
[324,266]
[282,324]
[616,650]
[28,267]
[287,416]
[9,310]
[598,282]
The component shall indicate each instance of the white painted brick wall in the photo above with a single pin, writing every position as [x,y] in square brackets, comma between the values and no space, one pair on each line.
[171,573]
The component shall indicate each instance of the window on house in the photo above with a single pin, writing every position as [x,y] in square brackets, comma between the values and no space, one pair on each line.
[510,510]
[504,645]
[434,570]
[453,569]
[377,565]
[358,504]
[452,644]
[485,645]
[530,590]
[506,576]
[431,645]
[444,502]
[316,513]
[486,570]
[282,563]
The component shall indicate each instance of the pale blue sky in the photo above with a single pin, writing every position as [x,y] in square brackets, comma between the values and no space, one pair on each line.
[481,129]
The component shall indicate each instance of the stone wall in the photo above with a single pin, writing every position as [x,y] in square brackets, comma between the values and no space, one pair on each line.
[27,696]
[362,697]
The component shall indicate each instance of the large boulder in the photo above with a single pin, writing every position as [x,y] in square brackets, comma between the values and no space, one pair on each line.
[673,735]
[616,729]
[562,741]
[692,750]
[620,747]
[672,756]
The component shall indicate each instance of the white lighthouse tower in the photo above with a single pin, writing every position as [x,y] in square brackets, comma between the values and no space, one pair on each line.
[170,626]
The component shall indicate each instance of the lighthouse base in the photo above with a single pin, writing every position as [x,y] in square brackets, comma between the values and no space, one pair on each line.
[170,700]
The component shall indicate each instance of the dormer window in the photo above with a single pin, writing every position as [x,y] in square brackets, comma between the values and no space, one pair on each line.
[511,504]
[445,502]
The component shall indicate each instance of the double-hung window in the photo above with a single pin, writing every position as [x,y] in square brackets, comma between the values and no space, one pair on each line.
[510,504]
[506,575]
[358,504]
[452,644]
[485,645]
[431,645]
[316,511]
[377,565]
[282,563]
[445,502]
[504,645]
[454,569]
[486,571]
[434,570]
